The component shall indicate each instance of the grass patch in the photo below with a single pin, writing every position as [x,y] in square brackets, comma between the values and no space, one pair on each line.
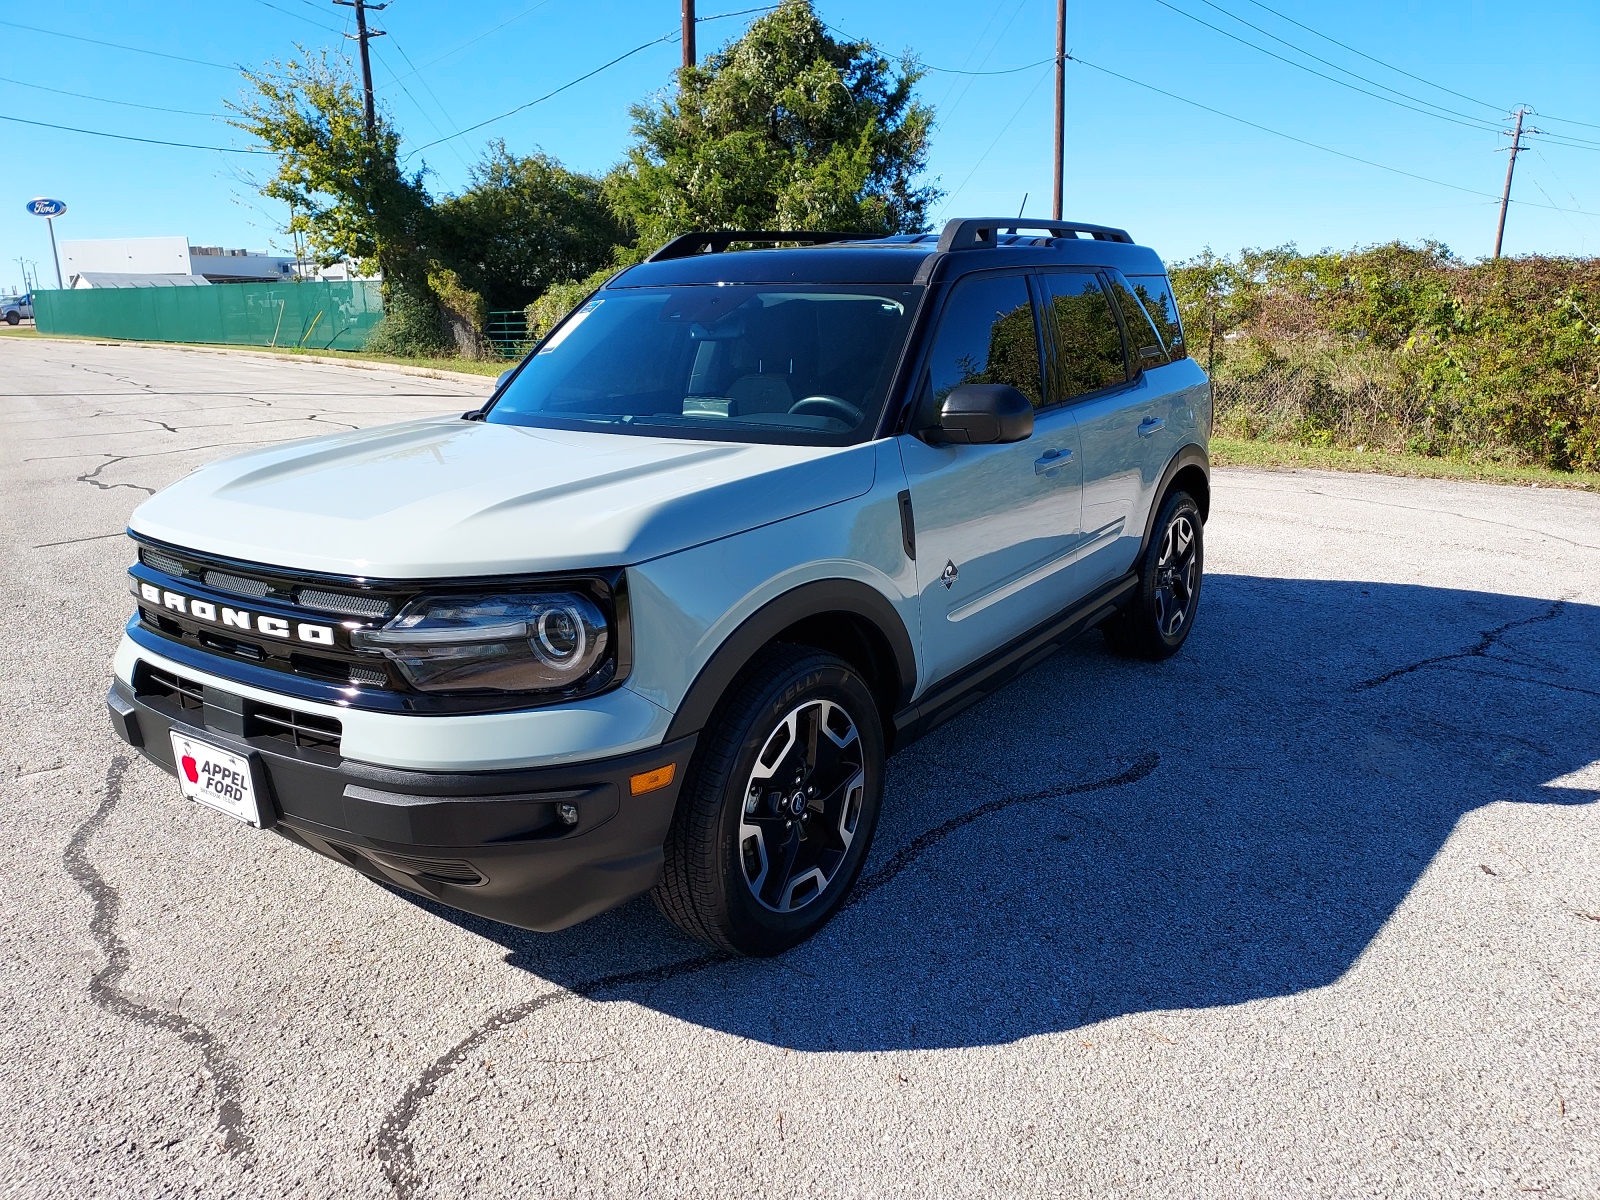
[1236,452]
[17,330]
[464,366]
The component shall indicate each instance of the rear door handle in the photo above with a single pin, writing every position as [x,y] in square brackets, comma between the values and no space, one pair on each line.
[1149,425]
[1051,461]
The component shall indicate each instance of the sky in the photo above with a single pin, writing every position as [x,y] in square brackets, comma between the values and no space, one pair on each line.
[1177,132]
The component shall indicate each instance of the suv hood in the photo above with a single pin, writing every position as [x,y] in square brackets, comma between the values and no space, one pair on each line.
[444,497]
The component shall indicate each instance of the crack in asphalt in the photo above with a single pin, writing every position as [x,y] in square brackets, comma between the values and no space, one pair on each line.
[105,993]
[90,477]
[393,1144]
[93,537]
[1445,512]
[1488,639]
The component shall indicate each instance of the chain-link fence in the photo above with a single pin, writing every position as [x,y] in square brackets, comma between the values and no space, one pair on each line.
[1330,404]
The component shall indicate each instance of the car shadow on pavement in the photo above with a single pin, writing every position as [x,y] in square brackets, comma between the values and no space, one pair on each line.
[1105,837]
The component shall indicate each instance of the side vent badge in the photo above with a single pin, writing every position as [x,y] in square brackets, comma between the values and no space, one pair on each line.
[949,575]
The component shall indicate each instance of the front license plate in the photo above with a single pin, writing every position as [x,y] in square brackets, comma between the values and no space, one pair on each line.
[216,777]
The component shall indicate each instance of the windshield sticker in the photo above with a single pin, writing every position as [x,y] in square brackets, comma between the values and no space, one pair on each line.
[577,318]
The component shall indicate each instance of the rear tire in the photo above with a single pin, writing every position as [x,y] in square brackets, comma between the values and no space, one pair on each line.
[779,807]
[1156,622]
[13,318]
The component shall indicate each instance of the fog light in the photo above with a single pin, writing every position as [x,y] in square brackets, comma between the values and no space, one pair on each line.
[568,813]
[651,781]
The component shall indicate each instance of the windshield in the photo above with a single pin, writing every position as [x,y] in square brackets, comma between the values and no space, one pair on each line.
[734,362]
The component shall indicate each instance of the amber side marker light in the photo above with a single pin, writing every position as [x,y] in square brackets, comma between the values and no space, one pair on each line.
[651,781]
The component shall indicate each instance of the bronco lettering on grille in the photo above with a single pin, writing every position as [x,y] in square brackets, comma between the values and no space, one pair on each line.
[237,618]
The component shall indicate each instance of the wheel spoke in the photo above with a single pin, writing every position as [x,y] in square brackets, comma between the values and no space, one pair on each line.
[802,800]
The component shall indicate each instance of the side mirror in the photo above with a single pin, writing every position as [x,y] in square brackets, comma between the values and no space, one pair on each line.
[504,375]
[985,414]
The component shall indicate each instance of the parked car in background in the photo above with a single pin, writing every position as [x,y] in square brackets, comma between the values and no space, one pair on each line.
[17,309]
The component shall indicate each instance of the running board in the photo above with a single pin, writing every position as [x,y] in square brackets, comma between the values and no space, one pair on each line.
[991,673]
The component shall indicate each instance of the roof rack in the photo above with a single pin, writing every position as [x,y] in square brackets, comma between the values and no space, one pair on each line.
[686,245]
[983,233]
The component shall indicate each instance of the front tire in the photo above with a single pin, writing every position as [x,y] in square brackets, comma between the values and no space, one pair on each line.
[779,807]
[1156,622]
[13,318]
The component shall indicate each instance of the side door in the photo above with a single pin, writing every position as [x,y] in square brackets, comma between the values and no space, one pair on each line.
[996,526]
[1118,419]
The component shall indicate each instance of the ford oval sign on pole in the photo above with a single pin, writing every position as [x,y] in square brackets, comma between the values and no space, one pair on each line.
[43,206]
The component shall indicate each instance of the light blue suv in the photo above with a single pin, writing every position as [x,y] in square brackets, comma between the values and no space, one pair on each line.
[746,522]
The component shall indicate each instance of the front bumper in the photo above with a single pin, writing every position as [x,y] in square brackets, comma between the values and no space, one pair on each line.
[493,843]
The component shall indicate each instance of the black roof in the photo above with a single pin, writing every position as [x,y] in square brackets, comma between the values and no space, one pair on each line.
[965,244]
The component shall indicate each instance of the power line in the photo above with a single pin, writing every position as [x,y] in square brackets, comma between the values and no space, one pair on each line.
[1369,58]
[1232,16]
[473,41]
[540,100]
[1026,100]
[199,62]
[126,137]
[1007,71]
[187,112]
[666,37]
[1470,122]
[297,16]
[1455,187]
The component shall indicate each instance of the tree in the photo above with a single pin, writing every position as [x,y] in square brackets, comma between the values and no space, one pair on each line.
[347,194]
[524,224]
[785,128]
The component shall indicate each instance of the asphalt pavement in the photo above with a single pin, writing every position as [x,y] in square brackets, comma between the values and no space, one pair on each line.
[1312,909]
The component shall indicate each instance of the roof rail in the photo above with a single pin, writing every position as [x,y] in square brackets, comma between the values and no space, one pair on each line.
[686,245]
[983,233]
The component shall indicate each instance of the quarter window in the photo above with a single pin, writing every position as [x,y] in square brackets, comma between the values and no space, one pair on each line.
[1088,344]
[1145,347]
[986,335]
[1155,292]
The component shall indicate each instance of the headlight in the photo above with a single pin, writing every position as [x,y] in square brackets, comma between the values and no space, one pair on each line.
[511,643]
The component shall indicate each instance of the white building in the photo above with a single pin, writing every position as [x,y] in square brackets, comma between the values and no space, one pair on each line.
[139,261]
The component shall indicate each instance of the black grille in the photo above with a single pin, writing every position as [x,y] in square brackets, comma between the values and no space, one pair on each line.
[185,694]
[225,581]
[303,731]
[179,696]
[438,870]
[359,606]
[161,562]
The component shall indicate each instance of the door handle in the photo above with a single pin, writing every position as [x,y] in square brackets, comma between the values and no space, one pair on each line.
[1149,425]
[1051,460]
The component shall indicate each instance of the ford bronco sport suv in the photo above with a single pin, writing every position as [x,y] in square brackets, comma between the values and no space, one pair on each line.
[650,620]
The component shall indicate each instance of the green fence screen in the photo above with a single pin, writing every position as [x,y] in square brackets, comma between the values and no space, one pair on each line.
[314,314]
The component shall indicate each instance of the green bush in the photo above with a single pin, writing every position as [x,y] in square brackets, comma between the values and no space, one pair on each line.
[1402,348]
[411,325]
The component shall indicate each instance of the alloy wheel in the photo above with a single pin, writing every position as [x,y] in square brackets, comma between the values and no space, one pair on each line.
[1176,572]
[802,805]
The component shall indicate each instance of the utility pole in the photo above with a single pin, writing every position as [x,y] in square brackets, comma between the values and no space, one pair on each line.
[364,35]
[1061,105]
[688,33]
[1505,197]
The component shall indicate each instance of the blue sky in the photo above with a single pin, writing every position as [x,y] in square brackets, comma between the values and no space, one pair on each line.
[1179,178]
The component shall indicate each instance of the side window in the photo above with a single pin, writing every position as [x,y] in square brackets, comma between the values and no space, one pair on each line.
[986,335]
[1088,343]
[1155,292]
[1146,348]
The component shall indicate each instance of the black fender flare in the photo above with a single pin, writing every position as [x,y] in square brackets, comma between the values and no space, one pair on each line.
[762,626]
[1192,455]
